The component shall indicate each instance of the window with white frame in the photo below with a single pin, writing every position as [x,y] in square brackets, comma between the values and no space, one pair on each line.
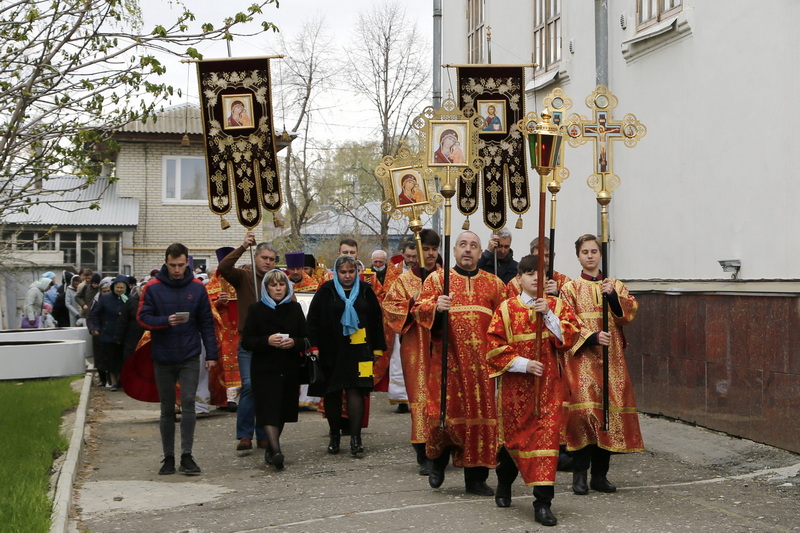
[547,34]
[476,30]
[184,180]
[649,12]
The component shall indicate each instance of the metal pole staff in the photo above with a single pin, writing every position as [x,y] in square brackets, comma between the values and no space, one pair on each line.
[448,191]
[604,198]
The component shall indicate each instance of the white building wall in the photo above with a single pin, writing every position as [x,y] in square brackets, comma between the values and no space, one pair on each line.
[713,179]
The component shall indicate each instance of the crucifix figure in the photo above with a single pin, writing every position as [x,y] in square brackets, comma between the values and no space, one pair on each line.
[604,130]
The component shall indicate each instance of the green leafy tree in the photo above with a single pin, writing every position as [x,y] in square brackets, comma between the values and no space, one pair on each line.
[73,71]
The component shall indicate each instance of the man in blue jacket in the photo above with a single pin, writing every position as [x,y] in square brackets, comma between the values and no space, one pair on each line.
[174,306]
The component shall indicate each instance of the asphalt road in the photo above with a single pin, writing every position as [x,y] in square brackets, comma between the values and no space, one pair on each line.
[689,479]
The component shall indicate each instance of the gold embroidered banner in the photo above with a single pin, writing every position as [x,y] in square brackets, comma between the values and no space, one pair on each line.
[236,102]
[496,93]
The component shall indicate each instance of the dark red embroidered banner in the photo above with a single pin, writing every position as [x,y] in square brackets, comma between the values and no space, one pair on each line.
[236,102]
[497,94]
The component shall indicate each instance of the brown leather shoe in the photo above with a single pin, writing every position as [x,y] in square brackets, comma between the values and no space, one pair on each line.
[245,443]
[262,444]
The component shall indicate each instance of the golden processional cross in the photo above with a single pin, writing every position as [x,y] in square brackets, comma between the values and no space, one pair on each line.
[603,130]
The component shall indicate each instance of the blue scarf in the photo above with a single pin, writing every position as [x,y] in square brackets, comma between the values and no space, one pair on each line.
[349,317]
[267,300]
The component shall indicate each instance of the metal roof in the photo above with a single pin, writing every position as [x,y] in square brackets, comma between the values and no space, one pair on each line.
[182,118]
[69,205]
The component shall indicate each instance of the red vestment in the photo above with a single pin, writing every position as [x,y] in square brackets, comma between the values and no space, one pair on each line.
[471,417]
[306,284]
[225,374]
[584,373]
[415,351]
[531,441]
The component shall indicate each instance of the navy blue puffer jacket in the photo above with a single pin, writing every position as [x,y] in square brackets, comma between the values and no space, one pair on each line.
[162,297]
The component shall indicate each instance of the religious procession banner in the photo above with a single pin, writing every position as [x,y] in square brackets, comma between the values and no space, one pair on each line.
[236,103]
[497,94]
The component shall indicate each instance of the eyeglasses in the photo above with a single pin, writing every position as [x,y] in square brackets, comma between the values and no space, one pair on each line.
[503,246]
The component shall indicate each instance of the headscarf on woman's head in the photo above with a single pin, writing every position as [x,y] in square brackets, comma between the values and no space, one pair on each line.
[349,317]
[266,299]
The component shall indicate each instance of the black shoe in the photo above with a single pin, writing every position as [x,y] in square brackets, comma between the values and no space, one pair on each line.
[402,408]
[545,516]
[502,496]
[479,488]
[277,460]
[435,477]
[355,446]
[268,456]
[425,468]
[188,466]
[579,483]
[601,484]
[333,443]
[167,465]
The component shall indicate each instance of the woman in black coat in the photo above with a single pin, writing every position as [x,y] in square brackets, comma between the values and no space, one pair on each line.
[103,322]
[275,331]
[345,324]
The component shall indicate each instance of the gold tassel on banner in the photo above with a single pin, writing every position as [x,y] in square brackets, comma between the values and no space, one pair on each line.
[465,225]
[519,223]
[224,224]
[278,223]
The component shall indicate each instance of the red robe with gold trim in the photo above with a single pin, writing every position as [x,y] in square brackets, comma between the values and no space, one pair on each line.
[381,367]
[513,288]
[584,373]
[415,347]
[226,322]
[471,418]
[531,441]
[306,284]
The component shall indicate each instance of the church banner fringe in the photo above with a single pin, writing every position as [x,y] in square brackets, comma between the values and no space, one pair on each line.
[236,105]
[496,93]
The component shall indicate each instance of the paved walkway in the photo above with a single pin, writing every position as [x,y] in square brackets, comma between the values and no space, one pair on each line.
[690,479]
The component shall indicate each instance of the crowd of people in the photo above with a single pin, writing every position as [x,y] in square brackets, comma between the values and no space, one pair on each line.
[522,370]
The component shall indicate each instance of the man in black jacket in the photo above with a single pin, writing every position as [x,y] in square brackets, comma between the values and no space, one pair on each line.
[174,306]
[499,244]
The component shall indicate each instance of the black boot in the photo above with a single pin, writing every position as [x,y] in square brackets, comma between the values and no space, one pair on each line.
[579,485]
[356,447]
[333,443]
[419,447]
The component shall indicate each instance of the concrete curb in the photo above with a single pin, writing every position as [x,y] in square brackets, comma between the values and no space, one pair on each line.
[62,502]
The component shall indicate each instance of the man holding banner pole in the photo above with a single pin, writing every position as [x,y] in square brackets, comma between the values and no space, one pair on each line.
[470,422]
[242,280]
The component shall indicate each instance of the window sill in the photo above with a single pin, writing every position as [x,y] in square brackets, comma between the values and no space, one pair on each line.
[543,80]
[657,36]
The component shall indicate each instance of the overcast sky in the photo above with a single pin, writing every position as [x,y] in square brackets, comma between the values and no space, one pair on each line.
[342,114]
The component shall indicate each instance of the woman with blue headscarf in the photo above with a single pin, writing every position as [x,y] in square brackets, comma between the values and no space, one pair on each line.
[345,324]
[275,331]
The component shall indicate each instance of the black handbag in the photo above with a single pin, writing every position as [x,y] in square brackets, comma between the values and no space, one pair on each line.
[310,371]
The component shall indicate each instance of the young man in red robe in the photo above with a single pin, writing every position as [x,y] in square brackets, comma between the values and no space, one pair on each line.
[415,341]
[592,446]
[529,440]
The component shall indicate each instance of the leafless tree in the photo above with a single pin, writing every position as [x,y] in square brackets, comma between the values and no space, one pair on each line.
[389,66]
[306,71]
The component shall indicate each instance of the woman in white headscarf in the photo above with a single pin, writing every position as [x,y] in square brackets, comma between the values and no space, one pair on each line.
[275,331]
